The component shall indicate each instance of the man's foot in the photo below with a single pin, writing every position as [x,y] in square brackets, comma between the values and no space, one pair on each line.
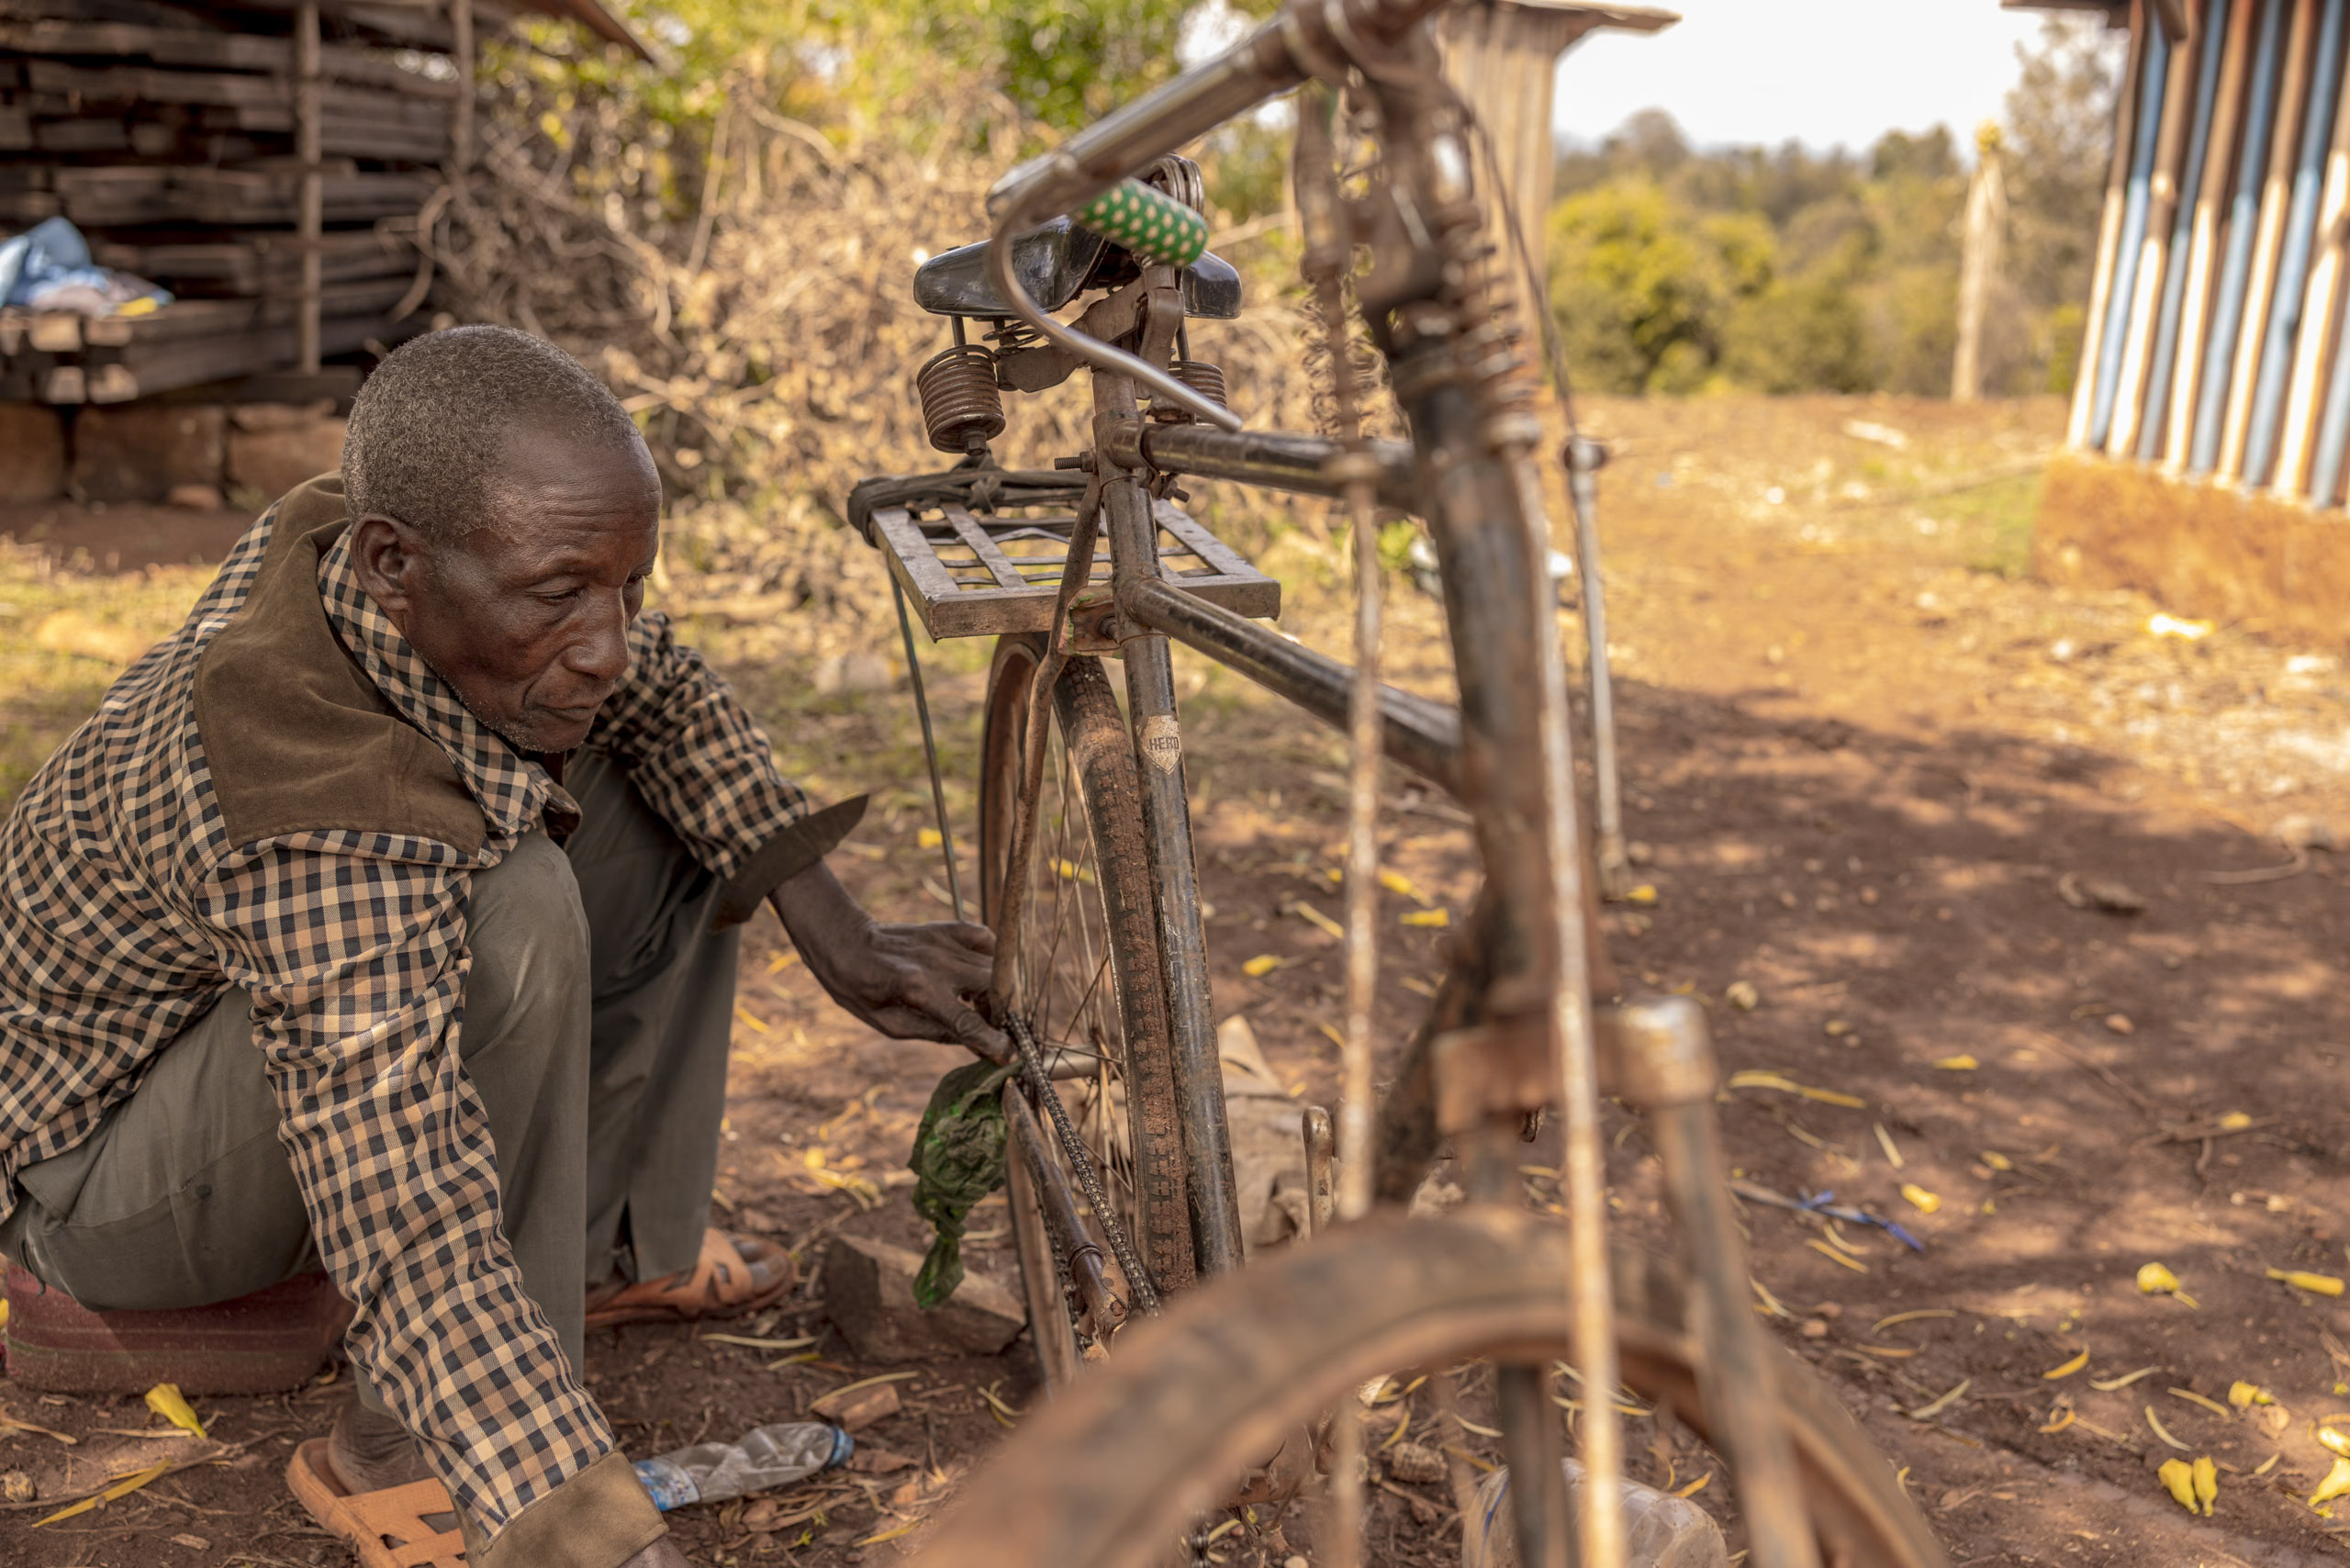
[736,1274]
[371,1452]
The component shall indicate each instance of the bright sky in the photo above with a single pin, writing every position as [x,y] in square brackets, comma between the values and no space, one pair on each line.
[1822,72]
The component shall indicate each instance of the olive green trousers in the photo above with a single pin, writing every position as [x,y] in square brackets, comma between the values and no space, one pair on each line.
[597,1011]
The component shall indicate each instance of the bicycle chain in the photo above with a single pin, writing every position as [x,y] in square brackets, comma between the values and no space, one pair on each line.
[1032,1071]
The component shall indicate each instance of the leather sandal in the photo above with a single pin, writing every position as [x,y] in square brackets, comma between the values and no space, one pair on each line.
[386,1529]
[724,1282]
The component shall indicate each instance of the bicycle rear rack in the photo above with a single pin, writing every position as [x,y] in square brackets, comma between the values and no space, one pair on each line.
[977,573]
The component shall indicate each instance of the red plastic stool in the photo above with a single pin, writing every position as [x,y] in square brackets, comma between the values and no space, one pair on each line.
[264,1343]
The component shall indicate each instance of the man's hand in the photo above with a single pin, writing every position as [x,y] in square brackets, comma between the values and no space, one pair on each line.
[912,982]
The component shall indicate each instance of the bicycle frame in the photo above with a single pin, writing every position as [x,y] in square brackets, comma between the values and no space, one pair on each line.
[1516,1030]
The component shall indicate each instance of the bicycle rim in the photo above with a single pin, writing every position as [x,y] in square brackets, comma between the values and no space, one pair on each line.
[1110,1475]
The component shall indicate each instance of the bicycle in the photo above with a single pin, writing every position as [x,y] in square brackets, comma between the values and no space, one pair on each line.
[1123,1202]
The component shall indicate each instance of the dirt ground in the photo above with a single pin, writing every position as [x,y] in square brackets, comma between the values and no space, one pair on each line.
[1884,789]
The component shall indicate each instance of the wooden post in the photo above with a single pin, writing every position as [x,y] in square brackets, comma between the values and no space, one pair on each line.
[2195,315]
[2109,236]
[2284,146]
[1987,223]
[460,55]
[307,151]
[2315,340]
[2162,195]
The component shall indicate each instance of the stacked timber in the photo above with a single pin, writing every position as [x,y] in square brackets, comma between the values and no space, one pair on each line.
[265,160]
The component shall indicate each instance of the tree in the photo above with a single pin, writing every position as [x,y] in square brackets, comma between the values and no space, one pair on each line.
[2059,134]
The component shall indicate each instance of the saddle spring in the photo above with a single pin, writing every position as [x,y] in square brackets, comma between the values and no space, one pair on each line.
[962,408]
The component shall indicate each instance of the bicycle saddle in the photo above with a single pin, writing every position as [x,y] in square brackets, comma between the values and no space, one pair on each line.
[1054,263]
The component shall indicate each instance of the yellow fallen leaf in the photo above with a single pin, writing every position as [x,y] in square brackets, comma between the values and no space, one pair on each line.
[1885,1141]
[2207,1484]
[2336,1483]
[1694,1486]
[1825,1250]
[2061,1421]
[1885,1323]
[1261,965]
[2163,625]
[1333,1034]
[2266,1465]
[2316,1284]
[1934,1408]
[1396,882]
[1925,1203]
[1316,919]
[2213,1405]
[1070,871]
[1436,918]
[1958,1064]
[891,1534]
[2108,1384]
[122,1488]
[2333,1441]
[2155,1279]
[1757,1077]
[2236,1122]
[4,1312]
[1996,1161]
[164,1400]
[2179,1479]
[928,839]
[2162,1431]
[2067,1369]
[746,1015]
[1644,893]
[2243,1394]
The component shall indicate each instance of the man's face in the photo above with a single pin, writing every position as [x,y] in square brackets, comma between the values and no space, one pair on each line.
[529,620]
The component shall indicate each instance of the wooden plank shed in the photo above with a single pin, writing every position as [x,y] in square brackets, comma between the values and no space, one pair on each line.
[254,157]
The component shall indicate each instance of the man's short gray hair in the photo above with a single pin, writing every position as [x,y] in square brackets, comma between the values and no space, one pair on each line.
[428,429]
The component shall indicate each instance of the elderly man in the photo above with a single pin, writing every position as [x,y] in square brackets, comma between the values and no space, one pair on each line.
[383,917]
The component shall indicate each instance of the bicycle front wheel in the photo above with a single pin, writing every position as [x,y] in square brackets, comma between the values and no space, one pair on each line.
[1111,1473]
[1087,979]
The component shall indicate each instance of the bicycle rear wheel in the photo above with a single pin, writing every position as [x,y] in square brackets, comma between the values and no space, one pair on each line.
[1110,1474]
[1088,977]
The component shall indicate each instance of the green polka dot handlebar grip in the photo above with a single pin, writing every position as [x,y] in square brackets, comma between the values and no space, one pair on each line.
[1148,222]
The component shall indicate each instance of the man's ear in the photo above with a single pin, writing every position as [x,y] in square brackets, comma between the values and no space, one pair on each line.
[389,558]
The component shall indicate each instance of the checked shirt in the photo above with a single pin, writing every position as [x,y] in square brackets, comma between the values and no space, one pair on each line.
[126,912]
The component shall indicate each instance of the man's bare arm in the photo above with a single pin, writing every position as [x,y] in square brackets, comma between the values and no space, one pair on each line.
[912,982]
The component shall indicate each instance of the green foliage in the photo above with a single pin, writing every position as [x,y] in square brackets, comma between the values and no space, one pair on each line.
[1781,270]
[1640,285]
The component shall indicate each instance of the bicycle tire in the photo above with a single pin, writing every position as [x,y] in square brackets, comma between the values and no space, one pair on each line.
[1109,1475]
[1098,772]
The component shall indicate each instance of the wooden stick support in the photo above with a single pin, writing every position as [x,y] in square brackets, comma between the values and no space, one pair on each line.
[2314,343]
[312,220]
[2195,314]
[2235,268]
[2109,240]
[2268,243]
[2153,246]
[2153,74]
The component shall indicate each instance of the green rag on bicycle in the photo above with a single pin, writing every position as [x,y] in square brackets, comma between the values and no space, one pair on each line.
[957,1160]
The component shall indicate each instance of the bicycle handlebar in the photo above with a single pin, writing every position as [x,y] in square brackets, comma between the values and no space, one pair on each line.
[1084,173]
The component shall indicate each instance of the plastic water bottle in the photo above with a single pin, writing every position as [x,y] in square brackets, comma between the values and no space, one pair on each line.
[1661,1530]
[756,1462]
